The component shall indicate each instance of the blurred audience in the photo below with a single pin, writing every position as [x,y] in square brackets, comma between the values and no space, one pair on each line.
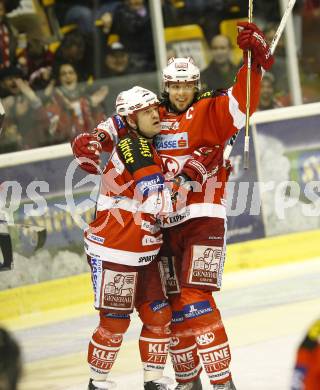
[131,22]
[36,62]
[72,107]
[26,119]
[50,96]
[171,13]
[11,4]
[10,361]
[76,50]
[279,67]
[220,72]
[83,14]
[117,61]
[267,94]
[310,36]
[8,39]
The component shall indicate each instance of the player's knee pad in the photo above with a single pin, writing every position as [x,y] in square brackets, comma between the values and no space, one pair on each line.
[112,325]
[156,316]
[200,310]
[178,324]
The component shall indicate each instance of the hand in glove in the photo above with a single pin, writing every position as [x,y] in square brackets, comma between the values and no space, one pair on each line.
[86,147]
[250,37]
[203,163]
[90,145]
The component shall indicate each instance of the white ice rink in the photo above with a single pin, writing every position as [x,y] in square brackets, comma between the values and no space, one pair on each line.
[265,311]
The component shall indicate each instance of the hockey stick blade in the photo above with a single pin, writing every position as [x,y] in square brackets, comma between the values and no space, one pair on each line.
[6,252]
[26,238]
[2,114]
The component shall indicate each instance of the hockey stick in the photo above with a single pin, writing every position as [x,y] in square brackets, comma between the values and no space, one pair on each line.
[6,252]
[2,114]
[273,47]
[29,239]
[247,137]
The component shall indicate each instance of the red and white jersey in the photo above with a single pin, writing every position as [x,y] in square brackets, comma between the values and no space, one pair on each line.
[132,193]
[211,120]
[108,132]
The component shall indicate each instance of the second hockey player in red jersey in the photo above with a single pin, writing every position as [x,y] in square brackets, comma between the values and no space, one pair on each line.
[193,254]
[122,243]
[124,239]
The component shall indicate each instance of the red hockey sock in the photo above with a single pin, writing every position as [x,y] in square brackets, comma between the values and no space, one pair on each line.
[154,350]
[214,351]
[102,353]
[186,364]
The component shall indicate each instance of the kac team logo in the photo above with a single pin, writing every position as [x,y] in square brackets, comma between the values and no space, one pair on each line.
[171,166]
[205,339]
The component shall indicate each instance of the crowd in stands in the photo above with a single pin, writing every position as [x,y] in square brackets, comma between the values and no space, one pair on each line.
[53,87]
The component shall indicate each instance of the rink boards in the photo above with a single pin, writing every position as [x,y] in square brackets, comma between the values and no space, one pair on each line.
[74,290]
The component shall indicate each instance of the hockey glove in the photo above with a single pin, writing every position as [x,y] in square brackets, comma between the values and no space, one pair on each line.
[86,147]
[90,145]
[204,163]
[250,37]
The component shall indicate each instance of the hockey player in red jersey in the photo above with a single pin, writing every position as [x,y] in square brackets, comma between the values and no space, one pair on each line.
[194,235]
[124,239]
[196,231]
[122,242]
[306,374]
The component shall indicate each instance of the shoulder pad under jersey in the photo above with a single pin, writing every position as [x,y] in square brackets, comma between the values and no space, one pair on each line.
[105,128]
[119,125]
[213,93]
[135,153]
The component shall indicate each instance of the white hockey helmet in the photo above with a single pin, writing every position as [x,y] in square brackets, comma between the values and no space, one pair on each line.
[181,70]
[135,99]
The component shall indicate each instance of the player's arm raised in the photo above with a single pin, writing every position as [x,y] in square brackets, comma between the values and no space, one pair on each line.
[231,108]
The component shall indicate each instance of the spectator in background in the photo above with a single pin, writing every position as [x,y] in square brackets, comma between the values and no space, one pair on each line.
[209,13]
[206,13]
[71,106]
[267,94]
[8,39]
[76,50]
[310,37]
[25,116]
[82,13]
[131,22]
[306,374]
[171,13]
[279,69]
[38,55]
[117,61]
[10,361]
[221,72]
[266,12]
[11,4]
